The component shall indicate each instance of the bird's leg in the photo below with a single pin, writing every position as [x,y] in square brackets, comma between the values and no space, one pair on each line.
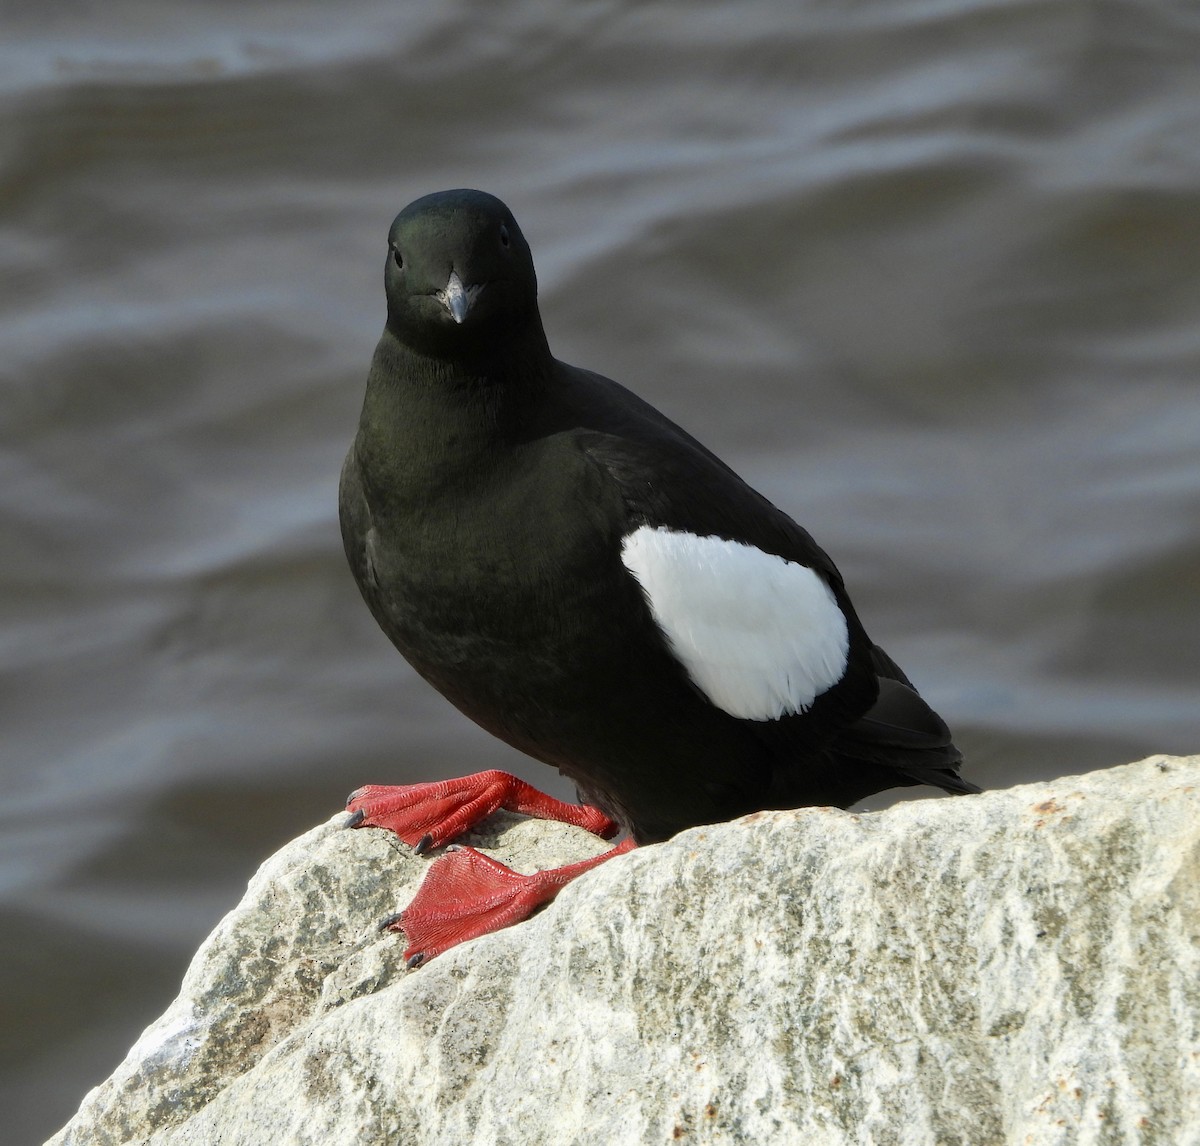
[466,894]
[430,815]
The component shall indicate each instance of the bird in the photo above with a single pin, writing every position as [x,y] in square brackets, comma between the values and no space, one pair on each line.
[586,581]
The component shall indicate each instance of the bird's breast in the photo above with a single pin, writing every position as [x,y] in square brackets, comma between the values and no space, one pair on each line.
[509,574]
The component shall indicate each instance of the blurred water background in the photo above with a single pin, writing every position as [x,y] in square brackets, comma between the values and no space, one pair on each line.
[927,272]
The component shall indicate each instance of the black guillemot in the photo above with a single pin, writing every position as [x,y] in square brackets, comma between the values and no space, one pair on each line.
[589,583]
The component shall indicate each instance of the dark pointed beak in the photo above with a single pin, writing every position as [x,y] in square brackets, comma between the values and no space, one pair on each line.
[456,298]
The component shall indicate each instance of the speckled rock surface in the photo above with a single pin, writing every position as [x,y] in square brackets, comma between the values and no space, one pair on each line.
[1019,967]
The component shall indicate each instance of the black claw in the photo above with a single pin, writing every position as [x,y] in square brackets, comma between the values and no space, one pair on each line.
[423,845]
[390,921]
[414,961]
[352,797]
[356,818]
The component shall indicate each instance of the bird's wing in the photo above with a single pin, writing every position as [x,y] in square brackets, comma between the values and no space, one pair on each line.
[748,603]
[753,608]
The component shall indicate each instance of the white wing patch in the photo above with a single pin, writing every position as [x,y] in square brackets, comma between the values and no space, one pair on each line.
[760,636]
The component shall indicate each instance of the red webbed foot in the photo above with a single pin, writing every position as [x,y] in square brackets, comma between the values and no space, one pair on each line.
[466,894]
[430,815]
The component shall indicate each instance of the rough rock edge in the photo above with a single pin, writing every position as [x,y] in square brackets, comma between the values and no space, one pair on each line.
[264,990]
[303,940]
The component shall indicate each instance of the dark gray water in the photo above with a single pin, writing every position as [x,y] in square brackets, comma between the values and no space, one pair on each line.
[925,271]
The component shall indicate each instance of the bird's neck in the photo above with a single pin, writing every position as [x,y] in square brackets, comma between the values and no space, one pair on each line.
[429,421]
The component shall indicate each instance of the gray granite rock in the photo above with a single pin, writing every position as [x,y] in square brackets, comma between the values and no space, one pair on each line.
[1017,967]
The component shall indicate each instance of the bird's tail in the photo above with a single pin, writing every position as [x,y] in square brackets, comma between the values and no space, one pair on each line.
[902,733]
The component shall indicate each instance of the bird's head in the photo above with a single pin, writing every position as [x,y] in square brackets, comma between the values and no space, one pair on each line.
[459,274]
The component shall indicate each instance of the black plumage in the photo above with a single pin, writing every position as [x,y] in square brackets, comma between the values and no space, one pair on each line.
[484,506]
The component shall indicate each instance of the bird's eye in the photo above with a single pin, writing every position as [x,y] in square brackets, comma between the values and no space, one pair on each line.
[503,236]
[397,256]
